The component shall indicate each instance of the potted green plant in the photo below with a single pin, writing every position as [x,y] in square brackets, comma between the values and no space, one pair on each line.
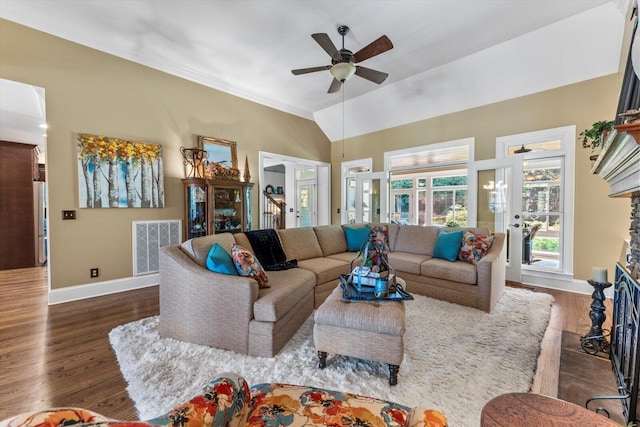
[594,137]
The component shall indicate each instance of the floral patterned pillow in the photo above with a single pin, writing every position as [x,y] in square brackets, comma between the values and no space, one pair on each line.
[248,265]
[474,247]
[381,237]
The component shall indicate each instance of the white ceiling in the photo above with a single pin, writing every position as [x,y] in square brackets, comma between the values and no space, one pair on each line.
[447,56]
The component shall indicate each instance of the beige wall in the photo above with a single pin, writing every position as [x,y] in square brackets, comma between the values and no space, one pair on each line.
[601,223]
[89,91]
[93,92]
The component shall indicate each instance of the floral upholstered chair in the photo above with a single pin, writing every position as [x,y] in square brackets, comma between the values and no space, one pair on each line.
[228,401]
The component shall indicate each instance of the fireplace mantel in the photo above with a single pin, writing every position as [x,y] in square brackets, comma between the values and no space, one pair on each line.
[619,160]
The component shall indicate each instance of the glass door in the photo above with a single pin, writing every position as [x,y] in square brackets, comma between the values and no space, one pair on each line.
[305,200]
[370,197]
[496,204]
[543,213]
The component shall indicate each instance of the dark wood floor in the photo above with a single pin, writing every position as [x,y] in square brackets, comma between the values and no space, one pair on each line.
[60,355]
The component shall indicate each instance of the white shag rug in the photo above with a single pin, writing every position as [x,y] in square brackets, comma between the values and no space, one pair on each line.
[456,359]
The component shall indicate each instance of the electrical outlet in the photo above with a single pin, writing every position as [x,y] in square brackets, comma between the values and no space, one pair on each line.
[94,272]
[68,214]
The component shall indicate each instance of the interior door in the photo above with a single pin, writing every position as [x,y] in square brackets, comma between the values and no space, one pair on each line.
[495,202]
[305,203]
[370,197]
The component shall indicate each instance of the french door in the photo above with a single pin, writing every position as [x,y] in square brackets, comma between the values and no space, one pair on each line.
[366,198]
[305,203]
[497,205]
[524,197]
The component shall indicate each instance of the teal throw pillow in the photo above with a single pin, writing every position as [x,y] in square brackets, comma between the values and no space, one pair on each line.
[220,261]
[356,237]
[447,245]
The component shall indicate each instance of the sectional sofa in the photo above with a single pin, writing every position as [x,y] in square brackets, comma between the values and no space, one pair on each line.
[232,312]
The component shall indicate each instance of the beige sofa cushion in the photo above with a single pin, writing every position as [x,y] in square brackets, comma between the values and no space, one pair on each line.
[300,243]
[331,238]
[325,269]
[392,232]
[242,240]
[416,239]
[407,262]
[347,257]
[288,288]
[198,248]
[475,230]
[458,271]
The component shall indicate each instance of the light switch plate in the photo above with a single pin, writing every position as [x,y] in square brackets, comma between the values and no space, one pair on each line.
[68,214]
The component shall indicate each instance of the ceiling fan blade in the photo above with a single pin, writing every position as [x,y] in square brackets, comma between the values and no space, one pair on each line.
[311,70]
[335,86]
[382,44]
[325,42]
[372,75]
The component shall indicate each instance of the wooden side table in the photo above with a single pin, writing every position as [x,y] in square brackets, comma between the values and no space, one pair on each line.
[528,410]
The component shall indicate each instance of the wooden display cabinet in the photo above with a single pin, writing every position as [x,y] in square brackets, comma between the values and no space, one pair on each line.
[196,212]
[216,206]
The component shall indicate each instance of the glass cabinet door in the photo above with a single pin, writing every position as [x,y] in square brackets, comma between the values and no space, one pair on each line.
[196,210]
[228,209]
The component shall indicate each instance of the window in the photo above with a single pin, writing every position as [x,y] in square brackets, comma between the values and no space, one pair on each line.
[426,198]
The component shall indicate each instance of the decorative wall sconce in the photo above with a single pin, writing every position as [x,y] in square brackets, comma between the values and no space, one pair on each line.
[195,158]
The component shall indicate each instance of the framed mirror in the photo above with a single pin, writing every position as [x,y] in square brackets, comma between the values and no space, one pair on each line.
[219,151]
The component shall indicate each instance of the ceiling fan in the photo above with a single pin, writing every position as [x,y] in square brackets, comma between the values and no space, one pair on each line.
[343,61]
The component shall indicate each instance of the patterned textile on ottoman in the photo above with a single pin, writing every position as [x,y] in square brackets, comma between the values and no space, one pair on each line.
[294,405]
[227,401]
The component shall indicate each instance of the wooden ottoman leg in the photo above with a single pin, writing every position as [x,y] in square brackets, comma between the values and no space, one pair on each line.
[322,355]
[393,374]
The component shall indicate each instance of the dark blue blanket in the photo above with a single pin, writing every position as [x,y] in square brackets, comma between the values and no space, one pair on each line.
[268,249]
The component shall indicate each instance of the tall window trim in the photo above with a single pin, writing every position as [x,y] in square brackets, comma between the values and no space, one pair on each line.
[567,137]
[345,175]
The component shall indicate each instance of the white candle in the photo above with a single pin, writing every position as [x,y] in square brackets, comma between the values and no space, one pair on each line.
[599,274]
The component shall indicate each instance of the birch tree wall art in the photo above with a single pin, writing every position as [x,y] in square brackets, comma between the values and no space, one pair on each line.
[116,173]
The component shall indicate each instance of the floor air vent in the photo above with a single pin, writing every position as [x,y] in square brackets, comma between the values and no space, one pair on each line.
[147,238]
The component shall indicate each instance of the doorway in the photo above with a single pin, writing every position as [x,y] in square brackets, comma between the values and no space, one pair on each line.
[305,203]
[22,108]
[527,193]
[302,184]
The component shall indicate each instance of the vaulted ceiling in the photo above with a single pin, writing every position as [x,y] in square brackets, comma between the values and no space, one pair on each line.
[447,56]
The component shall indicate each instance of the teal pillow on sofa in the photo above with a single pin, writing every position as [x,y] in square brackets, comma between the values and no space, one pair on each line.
[356,237]
[220,261]
[447,245]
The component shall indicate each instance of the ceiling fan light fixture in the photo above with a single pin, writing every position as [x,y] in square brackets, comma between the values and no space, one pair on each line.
[342,71]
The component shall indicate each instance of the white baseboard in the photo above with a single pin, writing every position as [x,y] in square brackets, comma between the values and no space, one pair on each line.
[90,290]
[562,283]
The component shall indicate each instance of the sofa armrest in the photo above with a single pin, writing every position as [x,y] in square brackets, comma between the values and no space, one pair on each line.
[491,273]
[223,402]
[203,307]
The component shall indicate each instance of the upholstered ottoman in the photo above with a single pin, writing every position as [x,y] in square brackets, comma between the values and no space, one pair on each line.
[371,330]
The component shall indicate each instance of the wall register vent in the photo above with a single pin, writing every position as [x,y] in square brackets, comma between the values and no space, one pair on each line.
[147,238]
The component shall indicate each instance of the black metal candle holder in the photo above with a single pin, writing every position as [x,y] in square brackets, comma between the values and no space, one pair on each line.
[596,338]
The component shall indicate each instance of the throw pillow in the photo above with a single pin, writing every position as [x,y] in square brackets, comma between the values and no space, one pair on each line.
[447,245]
[381,237]
[356,237]
[220,261]
[474,247]
[248,265]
